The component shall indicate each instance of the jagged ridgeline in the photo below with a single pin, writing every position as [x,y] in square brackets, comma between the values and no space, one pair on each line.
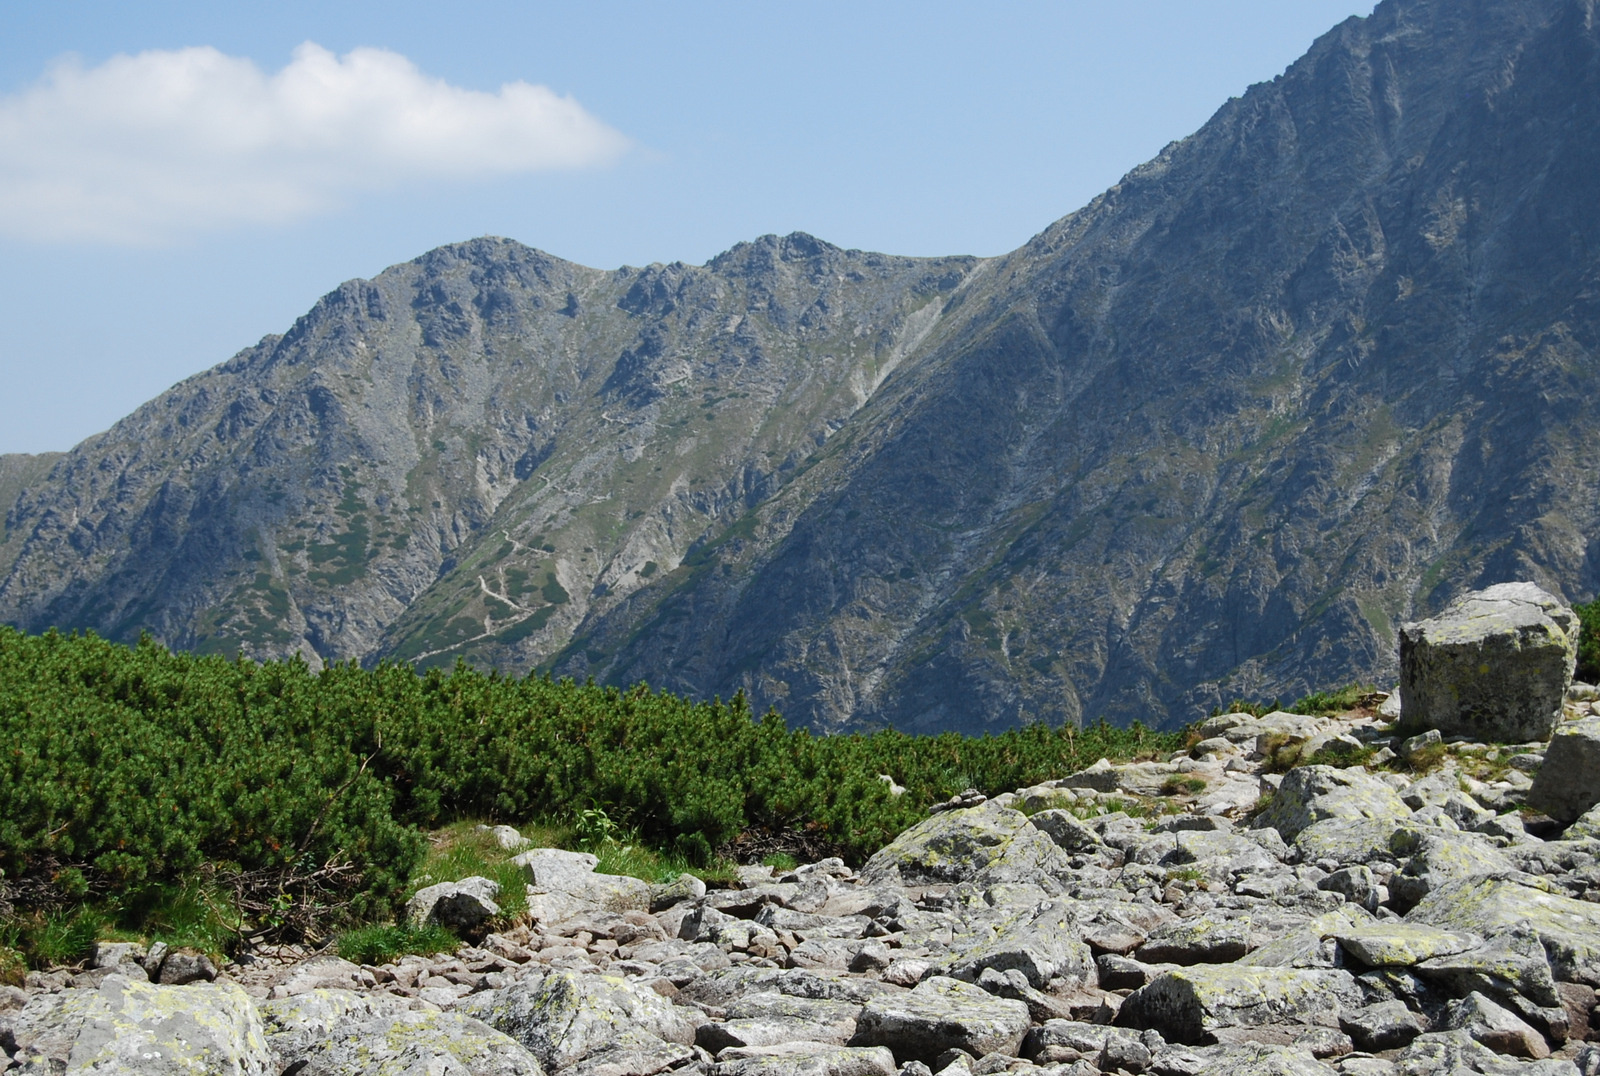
[129,769]
[1311,372]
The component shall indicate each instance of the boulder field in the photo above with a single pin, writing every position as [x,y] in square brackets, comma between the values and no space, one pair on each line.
[1292,895]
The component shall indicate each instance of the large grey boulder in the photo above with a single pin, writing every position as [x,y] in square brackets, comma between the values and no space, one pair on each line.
[1494,665]
[564,1017]
[130,1028]
[979,844]
[1568,783]
[340,1033]
[1190,1005]
[943,1014]
[572,874]
[1311,794]
[463,906]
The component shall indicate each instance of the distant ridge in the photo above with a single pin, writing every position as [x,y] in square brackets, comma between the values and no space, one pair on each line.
[1310,372]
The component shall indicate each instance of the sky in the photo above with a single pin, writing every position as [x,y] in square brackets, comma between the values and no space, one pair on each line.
[179,179]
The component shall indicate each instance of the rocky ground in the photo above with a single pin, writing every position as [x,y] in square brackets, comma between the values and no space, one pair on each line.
[1155,917]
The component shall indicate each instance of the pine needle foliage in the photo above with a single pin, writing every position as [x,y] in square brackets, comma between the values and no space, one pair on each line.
[137,767]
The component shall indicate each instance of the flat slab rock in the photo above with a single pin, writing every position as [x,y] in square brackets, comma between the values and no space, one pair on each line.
[942,1014]
[1190,1005]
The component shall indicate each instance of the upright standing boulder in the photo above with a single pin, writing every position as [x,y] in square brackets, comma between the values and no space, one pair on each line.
[1566,786]
[1494,665]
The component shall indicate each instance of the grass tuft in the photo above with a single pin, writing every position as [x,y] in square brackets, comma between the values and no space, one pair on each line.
[384,944]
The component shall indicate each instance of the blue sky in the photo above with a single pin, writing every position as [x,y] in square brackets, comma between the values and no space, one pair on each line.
[135,254]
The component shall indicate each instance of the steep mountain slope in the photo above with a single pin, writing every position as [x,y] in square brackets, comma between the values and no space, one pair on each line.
[465,455]
[1309,372]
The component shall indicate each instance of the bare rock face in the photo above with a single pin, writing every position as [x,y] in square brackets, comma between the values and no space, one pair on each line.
[1568,783]
[1495,665]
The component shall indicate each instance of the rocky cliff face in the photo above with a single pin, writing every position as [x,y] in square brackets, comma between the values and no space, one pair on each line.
[1312,371]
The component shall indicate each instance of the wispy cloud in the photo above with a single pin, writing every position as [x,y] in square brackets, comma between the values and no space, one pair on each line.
[148,148]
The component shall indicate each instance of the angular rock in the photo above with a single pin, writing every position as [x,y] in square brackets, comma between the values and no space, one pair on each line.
[1308,944]
[805,1059]
[1395,944]
[1387,1025]
[771,1019]
[942,1014]
[1310,794]
[1508,963]
[462,906]
[336,1033]
[1042,944]
[562,1017]
[1494,665]
[128,1028]
[1348,842]
[183,966]
[971,845]
[1091,1041]
[1355,884]
[1203,939]
[1569,929]
[1064,828]
[685,887]
[1436,858]
[1565,786]
[1498,1029]
[1191,1005]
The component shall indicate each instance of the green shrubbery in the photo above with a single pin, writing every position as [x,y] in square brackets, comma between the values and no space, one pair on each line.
[1588,642]
[130,776]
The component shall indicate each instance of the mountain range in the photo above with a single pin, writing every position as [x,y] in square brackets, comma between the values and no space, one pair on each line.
[1307,374]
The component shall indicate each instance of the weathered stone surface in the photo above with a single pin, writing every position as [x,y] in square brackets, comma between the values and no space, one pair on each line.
[338,1033]
[771,1018]
[942,1014]
[1569,929]
[1394,944]
[1509,962]
[1494,665]
[464,906]
[563,1017]
[1064,827]
[1201,940]
[1435,858]
[1387,1025]
[805,1059]
[182,966]
[1046,1042]
[1568,783]
[1310,794]
[972,845]
[685,887]
[1499,1030]
[1042,944]
[1190,1005]
[128,1028]
[1348,841]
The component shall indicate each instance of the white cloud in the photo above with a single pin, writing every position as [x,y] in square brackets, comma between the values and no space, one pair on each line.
[148,148]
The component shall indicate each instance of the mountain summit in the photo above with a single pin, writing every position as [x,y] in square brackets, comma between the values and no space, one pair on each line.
[1309,373]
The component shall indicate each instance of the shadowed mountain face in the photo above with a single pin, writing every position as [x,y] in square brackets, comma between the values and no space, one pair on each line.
[1309,373]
